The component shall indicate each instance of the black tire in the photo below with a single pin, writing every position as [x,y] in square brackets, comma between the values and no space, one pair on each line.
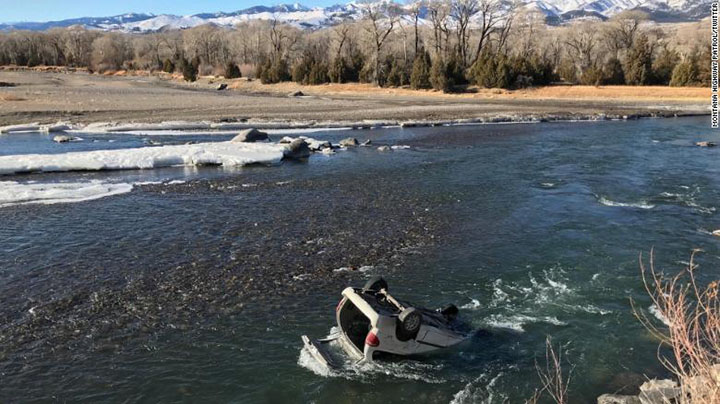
[376,283]
[410,320]
[450,312]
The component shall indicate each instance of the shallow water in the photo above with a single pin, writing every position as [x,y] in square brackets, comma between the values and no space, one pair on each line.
[533,230]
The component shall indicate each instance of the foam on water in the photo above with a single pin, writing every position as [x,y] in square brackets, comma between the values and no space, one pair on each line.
[547,298]
[367,372]
[484,389]
[517,322]
[688,199]
[639,205]
[658,315]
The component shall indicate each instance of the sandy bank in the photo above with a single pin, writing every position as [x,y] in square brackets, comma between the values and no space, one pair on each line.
[78,97]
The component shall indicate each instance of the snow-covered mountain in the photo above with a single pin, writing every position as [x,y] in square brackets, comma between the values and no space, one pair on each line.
[556,11]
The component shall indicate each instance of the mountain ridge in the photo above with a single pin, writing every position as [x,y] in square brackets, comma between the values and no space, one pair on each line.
[555,11]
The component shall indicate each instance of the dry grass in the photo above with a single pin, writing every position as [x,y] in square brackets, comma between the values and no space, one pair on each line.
[660,93]
[554,381]
[692,316]
[10,97]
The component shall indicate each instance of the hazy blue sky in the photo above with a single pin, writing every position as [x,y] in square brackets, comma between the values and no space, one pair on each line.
[50,10]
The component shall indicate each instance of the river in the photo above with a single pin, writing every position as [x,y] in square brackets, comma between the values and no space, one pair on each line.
[197,284]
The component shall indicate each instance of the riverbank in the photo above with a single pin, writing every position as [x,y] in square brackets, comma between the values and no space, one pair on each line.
[82,98]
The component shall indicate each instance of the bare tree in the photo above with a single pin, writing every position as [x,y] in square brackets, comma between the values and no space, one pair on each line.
[110,51]
[380,21]
[581,43]
[415,8]
[490,16]
[461,11]
[78,46]
[622,29]
[439,12]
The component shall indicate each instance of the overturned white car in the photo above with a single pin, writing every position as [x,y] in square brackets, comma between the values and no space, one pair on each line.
[372,322]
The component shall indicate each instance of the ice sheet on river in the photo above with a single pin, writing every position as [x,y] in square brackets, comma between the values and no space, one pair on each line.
[15,193]
[220,153]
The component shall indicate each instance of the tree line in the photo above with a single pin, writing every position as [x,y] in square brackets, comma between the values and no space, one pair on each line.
[440,44]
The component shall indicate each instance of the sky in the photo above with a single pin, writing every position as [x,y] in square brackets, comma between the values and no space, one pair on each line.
[52,10]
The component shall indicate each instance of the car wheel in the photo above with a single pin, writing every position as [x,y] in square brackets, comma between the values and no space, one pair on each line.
[376,283]
[410,321]
[450,312]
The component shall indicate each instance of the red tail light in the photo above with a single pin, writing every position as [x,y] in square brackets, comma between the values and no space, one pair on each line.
[372,339]
[340,304]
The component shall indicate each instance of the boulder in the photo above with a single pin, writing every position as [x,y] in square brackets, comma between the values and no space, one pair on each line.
[222,87]
[617,399]
[320,145]
[659,392]
[706,144]
[63,139]
[384,148]
[286,140]
[249,136]
[296,94]
[349,142]
[297,150]
[366,143]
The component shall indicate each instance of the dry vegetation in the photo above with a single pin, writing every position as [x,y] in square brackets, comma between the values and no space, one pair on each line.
[691,313]
[391,47]
[574,92]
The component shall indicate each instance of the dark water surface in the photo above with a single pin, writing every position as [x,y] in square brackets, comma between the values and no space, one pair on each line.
[200,291]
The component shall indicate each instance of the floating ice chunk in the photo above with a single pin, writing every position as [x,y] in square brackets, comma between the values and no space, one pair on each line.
[220,153]
[56,127]
[169,125]
[14,193]
[30,127]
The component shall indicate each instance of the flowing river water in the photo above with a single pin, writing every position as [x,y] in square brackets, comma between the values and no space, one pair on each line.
[198,283]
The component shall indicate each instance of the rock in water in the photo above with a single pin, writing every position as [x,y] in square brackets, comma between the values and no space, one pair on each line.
[250,136]
[297,150]
[366,143]
[384,148]
[348,142]
[320,145]
[659,392]
[617,399]
[62,139]
[706,144]
[222,86]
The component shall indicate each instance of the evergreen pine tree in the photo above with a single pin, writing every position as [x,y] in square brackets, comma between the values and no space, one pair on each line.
[420,77]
